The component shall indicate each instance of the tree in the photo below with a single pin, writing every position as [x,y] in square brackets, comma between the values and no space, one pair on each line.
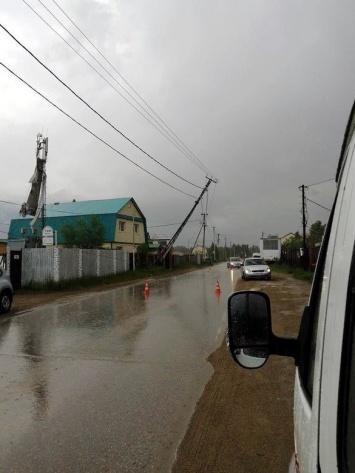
[316,232]
[82,234]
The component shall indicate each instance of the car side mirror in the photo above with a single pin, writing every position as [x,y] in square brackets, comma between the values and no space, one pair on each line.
[250,339]
[249,328]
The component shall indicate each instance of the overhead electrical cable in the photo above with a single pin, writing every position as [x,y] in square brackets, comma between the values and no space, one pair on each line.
[126,82]
[6,202]
[163,132]
[104,78]
[322,182]
[93,134]
[171,224]
[319,205]
[93,110]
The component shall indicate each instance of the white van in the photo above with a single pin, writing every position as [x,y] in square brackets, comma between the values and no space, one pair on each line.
[324,352]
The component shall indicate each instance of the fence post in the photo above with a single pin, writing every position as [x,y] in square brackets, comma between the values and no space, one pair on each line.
[114,261]
[56,264]
[80,269]
[97,262]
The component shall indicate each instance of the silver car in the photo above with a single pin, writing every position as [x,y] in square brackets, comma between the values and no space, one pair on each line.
[234,262]
[255,268]
[6,291]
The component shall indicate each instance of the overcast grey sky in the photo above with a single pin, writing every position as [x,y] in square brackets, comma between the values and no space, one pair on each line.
[259,92]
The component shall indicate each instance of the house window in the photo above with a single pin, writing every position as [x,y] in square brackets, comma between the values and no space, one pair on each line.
[121,226]
[135,227]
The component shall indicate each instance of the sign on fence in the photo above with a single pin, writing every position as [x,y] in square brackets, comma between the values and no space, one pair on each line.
[47,236]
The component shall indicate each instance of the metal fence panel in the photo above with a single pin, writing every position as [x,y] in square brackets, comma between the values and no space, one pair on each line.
[68,263]
[106,262]
[37,265]
[89,263]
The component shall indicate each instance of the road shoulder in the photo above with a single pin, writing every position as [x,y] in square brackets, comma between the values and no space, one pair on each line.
[244,420]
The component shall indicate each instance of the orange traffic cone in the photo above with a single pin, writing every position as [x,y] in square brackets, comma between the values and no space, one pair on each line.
[146,289]
[217,289]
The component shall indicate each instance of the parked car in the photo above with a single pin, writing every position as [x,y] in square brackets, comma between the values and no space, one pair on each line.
[255,268]
[6,291]
[234,262]
[324,351]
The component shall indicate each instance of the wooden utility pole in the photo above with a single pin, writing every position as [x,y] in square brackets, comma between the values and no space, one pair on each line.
[305,262]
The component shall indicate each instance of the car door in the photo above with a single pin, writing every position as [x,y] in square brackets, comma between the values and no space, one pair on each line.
[317,401]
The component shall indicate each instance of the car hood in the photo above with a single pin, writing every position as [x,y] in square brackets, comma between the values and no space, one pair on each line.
[257,267]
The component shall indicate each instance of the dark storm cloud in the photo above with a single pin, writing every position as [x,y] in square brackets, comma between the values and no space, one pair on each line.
[259,91]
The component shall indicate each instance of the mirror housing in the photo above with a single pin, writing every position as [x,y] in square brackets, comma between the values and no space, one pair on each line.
[250,339]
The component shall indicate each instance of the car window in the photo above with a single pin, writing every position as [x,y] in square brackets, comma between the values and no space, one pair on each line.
[315,299]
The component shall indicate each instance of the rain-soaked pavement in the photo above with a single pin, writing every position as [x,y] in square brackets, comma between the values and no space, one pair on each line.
[108,383]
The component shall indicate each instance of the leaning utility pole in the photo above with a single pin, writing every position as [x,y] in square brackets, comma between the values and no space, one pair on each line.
[179,230]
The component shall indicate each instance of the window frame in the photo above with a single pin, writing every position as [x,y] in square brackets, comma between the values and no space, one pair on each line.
[346,396]
[309,345]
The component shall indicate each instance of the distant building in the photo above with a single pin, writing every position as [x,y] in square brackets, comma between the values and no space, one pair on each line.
[3,246]
[286,237]
[199,250]
[124,223]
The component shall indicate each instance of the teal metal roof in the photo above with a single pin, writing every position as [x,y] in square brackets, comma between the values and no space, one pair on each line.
[87,207]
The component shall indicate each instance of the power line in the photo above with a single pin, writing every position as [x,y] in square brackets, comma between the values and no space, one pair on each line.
[93,134]
[97,72]
[322,182]
[126,82]
[6,202]
[93,110]
[169,138]
[325,208]
[171,224]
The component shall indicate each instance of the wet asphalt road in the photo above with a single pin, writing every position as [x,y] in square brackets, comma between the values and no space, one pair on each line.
[108,383]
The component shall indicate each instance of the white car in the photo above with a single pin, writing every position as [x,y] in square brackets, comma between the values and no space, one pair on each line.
[234,262]
[255,268]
